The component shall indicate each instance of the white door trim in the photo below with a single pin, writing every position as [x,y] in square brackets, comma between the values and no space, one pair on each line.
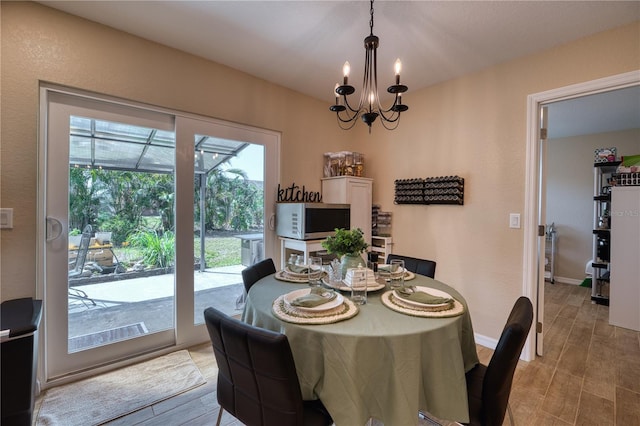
[188,335]
[532,178]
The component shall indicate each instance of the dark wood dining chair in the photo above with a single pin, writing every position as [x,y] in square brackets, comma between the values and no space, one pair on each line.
[256,272]
[418,266]
[488,387]
[257,379]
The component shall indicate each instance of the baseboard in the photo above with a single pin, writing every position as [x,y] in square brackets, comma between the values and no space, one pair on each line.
[565,280]
[485,341]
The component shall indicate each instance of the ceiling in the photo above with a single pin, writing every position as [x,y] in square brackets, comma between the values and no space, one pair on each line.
[302,45]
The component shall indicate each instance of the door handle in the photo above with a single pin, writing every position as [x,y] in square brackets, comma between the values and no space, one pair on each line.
[53,229]
[272,222]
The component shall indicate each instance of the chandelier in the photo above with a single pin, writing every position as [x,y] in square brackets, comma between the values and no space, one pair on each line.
[369,107]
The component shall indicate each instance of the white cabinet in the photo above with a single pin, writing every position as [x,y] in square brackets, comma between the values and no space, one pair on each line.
[356,191]
[624,298]
[382,246]
[305,247]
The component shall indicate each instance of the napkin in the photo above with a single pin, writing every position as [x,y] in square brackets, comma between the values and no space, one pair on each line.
[316,297]
[385,268]
[298,269]
[422,297]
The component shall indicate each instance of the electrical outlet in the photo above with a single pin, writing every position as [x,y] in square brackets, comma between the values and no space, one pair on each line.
[514,220]
[6,218]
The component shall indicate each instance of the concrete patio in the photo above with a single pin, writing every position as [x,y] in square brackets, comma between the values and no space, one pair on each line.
[112,308]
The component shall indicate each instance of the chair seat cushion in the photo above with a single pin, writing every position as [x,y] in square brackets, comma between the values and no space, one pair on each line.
[475,378]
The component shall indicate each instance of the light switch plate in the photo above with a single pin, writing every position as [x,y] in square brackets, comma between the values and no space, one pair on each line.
[6,218]
[514,220]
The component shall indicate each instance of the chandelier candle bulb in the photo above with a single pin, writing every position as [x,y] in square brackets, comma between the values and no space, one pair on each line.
[398,67]
[346,69]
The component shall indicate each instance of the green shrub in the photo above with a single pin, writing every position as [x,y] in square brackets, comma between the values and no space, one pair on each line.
[157,250]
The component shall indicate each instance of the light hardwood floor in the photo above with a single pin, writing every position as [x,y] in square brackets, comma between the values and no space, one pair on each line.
[589,375]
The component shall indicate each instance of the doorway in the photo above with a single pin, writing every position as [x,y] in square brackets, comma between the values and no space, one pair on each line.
[534,240]
[124,178]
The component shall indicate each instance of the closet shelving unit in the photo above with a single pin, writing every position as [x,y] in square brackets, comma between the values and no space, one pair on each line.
[603,175]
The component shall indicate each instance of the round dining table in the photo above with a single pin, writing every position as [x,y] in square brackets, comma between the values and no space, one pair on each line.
[380,363]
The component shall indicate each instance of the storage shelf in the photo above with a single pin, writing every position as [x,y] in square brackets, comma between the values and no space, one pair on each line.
[603,179]
[600,300]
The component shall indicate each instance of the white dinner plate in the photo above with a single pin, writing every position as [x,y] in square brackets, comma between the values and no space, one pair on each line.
[291,296]
[431,291]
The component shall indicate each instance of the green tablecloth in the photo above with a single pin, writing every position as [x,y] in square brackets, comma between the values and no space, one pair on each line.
[380,363]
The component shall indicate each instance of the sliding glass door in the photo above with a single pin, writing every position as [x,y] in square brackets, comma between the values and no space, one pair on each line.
[147,214]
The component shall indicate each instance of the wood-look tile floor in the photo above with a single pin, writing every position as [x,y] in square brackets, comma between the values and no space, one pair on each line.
[589,374]
[590,371]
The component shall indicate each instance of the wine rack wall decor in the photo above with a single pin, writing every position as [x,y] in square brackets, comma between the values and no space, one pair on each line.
[431,190]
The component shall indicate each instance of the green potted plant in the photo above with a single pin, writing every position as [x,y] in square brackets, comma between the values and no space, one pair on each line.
[348,244]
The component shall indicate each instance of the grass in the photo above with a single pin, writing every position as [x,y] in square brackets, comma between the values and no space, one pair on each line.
[218,251]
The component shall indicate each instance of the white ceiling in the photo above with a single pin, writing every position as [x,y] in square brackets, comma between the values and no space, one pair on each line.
[600,113]
[303,44]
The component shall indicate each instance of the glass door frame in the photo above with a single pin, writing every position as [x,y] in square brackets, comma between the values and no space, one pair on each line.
[186,333]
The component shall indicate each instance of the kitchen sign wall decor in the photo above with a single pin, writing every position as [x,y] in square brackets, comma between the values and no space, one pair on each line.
[295,194]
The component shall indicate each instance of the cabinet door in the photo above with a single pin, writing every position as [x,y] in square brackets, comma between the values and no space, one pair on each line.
[354,191]
[360,199]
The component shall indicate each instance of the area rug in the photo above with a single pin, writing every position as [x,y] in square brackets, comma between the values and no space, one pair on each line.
[104,337]
[106,397]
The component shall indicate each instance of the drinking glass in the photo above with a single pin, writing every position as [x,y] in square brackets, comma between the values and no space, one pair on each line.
[315,271]
[396,273]
[373,269]
[359,286]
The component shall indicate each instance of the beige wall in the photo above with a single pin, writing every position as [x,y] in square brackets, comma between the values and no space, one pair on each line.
[474,127]
[41,44]
[570,194]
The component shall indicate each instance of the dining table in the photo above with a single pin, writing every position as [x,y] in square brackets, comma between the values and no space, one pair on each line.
[376,362]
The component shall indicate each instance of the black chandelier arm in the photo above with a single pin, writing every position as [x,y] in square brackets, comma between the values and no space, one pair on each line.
[394,116]
[349,123]
[355,110]
[396,107]
[346,117]
[395,123]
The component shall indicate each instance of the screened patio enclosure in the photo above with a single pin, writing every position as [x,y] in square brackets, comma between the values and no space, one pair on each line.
[105,145]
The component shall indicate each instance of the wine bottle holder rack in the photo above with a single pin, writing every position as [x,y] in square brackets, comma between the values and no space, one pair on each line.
[431,190]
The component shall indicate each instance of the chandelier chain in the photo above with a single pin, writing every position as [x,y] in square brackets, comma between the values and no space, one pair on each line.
[371,20]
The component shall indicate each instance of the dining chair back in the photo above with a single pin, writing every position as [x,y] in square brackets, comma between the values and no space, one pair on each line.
[257,271]
[257,379]
[415,265]
[488,387]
